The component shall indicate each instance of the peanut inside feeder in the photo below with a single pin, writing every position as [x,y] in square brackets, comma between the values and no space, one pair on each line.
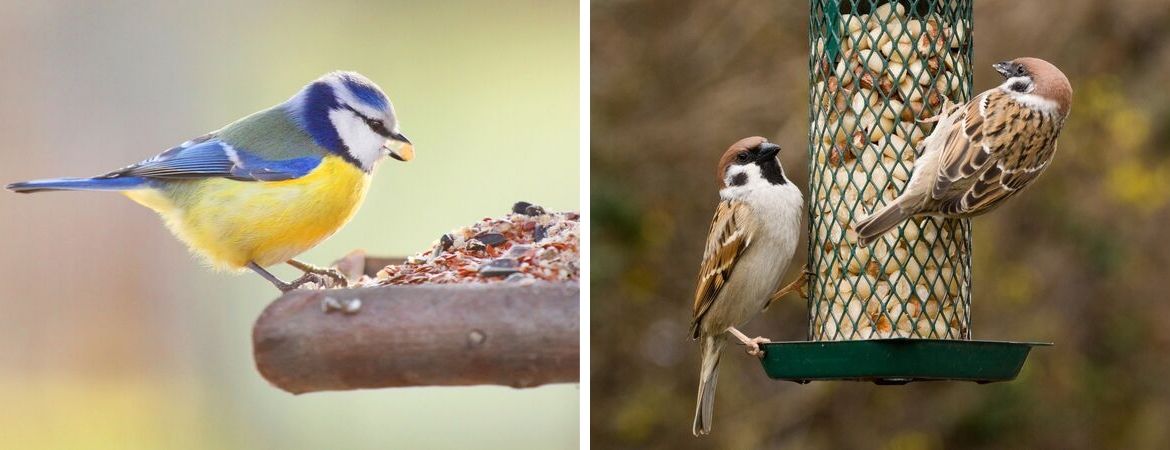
[877,72]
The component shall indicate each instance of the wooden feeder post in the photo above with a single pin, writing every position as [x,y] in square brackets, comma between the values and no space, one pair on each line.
[511,334]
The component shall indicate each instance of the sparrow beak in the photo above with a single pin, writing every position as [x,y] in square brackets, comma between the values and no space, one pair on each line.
[1004,68]
[768,151]
[399,147]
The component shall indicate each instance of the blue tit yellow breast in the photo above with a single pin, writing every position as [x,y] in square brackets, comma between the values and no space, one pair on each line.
[232,223]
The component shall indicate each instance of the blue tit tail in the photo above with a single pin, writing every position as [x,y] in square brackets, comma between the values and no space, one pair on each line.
[79,184]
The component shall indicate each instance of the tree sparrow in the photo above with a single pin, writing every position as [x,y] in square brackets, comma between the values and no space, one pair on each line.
[985,151]
[751,241]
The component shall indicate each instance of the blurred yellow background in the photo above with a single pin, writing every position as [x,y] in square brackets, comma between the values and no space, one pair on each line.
[112,336]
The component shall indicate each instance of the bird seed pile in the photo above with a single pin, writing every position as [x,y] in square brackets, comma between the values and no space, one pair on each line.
[526,245]
[892,71]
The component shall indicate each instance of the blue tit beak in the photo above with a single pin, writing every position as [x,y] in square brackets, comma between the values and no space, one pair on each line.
[399,147]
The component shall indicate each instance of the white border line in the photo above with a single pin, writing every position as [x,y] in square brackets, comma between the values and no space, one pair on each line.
[586,219]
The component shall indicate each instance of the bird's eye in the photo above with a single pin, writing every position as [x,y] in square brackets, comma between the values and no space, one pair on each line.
[742,157]
[374,123]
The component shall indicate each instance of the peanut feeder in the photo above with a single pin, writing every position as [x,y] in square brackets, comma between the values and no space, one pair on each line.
[897,310]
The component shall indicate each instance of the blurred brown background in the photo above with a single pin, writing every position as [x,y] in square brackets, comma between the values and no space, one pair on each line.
[1079,260]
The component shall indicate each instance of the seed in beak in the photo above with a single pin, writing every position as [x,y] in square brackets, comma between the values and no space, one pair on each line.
[402,151]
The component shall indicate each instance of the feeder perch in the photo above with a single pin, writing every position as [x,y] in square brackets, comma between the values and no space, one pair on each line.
[897,310]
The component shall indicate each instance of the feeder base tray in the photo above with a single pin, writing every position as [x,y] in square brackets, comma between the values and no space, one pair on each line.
[896,361]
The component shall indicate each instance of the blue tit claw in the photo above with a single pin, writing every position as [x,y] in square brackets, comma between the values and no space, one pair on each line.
[307,278]
[328,277]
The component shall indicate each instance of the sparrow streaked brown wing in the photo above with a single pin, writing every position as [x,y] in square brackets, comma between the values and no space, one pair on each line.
[985,151]
[730,234]
[996,150]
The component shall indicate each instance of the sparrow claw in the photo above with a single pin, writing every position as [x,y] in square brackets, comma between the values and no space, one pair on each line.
[753,346]
[799,286]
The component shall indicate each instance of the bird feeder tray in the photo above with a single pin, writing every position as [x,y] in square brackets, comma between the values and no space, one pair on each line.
[896,361]
[519,334]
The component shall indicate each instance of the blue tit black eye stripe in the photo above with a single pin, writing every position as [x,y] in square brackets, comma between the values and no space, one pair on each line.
[375,125]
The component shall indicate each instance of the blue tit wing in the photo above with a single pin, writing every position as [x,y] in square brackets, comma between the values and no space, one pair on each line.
[209,156]
[265,146]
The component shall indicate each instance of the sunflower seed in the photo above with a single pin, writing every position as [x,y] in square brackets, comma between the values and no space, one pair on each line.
[492,239]
[500,267]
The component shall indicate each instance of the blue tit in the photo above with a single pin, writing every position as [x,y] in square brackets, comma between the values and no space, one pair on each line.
[270,186]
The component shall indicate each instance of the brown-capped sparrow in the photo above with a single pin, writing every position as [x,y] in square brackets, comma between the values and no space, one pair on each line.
[751,241]
[985,151]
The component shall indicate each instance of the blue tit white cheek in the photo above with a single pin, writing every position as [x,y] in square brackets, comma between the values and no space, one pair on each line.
[362,143]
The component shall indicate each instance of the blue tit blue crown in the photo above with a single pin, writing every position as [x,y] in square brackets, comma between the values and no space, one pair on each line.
[364,89]
[348,115]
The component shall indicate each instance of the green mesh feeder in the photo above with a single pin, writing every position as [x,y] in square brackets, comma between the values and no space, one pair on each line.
[897,310]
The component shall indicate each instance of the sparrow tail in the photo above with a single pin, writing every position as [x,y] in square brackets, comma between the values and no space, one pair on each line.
[711,347]
[78,184]
[880,222]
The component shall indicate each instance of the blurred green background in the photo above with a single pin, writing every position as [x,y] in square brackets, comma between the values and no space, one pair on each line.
[112,336]
[1079,260]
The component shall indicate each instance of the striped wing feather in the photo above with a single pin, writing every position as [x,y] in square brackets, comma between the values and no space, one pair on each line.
[994,150]
[729,236]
